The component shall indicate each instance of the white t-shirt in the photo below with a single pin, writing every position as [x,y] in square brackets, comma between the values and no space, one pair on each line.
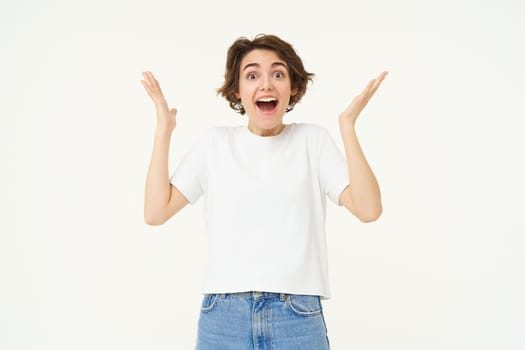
[265,206]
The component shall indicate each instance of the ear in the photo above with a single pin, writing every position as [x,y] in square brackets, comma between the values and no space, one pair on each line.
[294,92]
[237,95]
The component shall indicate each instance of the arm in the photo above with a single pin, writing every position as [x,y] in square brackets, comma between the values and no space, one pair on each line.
[162,200]
[363,197]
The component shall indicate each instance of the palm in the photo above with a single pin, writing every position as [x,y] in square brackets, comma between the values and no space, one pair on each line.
[359,102]
[165,116]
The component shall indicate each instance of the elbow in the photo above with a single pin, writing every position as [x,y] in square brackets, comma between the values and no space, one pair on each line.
[370,215]
[153,219]
[153,222]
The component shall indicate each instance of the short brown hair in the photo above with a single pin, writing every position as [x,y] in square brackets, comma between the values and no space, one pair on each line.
[299,77]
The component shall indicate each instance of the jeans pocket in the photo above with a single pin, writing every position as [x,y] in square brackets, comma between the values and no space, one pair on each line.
[209,301]
[304,305]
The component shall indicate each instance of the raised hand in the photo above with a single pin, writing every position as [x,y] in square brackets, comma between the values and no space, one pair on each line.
[165,116]
[349,116]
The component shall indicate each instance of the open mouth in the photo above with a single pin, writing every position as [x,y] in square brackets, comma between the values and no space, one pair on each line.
[267,104]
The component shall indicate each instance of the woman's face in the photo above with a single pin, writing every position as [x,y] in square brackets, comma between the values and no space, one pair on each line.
[264,90]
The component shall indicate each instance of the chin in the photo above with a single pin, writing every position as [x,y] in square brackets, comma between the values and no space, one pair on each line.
[270,120]
[269,124]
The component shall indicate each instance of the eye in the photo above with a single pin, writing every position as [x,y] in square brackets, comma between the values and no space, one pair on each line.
[278,75]
[251,76]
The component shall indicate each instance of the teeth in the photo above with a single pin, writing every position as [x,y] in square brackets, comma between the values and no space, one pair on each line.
[267,99]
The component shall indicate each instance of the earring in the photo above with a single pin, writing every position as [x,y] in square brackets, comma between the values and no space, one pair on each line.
[239,106]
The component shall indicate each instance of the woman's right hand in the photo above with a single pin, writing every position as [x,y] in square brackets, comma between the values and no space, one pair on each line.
[165,116]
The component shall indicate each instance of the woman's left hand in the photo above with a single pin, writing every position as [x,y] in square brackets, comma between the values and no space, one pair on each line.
[349,116]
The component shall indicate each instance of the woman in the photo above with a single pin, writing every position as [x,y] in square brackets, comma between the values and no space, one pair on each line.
[265,187]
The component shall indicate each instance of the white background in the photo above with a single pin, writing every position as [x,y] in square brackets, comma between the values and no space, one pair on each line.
[443,268]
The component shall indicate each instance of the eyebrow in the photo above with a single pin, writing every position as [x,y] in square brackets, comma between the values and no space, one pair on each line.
[257,65]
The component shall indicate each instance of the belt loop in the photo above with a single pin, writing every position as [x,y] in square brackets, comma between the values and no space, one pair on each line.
[283,296]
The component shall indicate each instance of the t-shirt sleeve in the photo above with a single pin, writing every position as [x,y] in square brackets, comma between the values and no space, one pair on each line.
[189,176]
[333,169]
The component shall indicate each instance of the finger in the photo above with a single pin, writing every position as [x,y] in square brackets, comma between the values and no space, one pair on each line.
[380,78]
[147,80]
[148,76]
[156,86]
[150,79]
[378,82]
[153,84]
[146,86]
[382,75]
[368,87]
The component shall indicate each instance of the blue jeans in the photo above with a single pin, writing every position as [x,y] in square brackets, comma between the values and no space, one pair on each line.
[261,321]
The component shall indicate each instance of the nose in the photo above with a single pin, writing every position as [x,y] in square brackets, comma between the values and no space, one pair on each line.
[266,83]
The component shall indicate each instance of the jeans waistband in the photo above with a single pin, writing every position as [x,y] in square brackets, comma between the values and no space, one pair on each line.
[255,295]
